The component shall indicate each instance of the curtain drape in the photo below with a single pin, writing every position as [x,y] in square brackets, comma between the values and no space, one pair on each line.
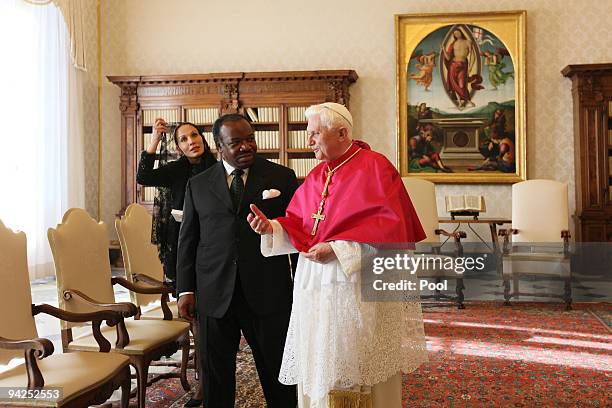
[41,171]
[72,10]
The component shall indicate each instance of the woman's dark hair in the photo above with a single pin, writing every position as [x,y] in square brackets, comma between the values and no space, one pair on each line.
[230,117]
[175,135]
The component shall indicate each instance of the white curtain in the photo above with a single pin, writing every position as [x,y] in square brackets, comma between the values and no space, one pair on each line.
[41,168]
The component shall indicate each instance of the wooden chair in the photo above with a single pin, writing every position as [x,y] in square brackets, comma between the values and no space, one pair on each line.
[423,196]
[84,283]
[142,264]
[84,378]
[540,238]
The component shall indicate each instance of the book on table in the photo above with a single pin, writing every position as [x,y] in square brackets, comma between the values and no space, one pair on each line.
[465,204]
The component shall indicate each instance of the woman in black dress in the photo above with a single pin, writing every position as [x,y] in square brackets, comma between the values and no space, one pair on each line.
[195,157]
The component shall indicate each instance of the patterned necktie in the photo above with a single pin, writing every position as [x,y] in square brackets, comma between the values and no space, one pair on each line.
[237,187]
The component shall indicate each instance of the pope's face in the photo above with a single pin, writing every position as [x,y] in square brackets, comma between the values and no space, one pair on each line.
[325,143]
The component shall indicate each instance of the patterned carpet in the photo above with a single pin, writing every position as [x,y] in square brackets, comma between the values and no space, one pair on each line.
[488,355]
[526,355]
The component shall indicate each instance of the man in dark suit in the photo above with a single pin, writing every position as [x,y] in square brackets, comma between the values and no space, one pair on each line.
[219,258]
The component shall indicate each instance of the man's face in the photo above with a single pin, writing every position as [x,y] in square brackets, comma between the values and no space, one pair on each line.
[325,143]
[189,141]
[238,146]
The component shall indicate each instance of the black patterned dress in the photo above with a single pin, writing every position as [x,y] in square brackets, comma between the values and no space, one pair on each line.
[171,179]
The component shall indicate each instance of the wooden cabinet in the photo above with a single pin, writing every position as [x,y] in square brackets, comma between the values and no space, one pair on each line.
[592,95]
[274,102]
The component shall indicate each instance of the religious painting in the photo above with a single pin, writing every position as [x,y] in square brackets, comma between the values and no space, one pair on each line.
[461,96]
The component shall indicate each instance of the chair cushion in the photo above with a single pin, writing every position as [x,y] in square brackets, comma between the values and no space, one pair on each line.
[75,373]
[144,336]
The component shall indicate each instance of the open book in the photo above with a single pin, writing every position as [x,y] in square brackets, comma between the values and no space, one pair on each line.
[465,203]
[178,215]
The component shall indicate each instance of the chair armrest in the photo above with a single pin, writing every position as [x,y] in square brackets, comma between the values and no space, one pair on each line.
[34,349]
[505,233]
[141,277]
[457,235]
[154,289]
[112,318]
[565,234]
[43,347]
[126,309]
[151,290]
[502,232]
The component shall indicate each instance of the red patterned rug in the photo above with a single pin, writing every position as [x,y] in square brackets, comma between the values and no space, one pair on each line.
[487,355]
[525,355]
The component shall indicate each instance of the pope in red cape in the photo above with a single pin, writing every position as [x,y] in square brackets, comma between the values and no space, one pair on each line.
[340,349]
[367,203]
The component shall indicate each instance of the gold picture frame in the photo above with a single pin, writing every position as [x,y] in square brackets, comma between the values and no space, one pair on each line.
[461,97]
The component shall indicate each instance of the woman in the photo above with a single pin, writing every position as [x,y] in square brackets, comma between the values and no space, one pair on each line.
[172,177]
[195,158]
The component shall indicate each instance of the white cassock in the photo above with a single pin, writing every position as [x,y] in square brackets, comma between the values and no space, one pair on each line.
[336,343]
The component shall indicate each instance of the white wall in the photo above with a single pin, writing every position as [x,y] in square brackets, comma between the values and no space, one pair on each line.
[141,37]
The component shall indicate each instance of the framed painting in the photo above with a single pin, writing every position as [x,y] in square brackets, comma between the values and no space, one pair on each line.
[461,115]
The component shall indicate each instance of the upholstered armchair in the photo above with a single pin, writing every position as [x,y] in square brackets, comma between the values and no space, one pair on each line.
[142,264]
[84,378]
[84,284]
[423,196]
[538,242]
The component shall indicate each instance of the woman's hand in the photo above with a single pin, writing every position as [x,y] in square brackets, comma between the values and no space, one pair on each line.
[159,128]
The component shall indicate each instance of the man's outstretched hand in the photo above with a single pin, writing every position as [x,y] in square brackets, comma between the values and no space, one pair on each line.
[258,221]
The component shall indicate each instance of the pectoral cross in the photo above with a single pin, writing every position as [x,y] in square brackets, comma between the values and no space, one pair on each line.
[319,216]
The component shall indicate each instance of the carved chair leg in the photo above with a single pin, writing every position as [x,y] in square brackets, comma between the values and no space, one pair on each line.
[142,371]
[506,291]
[125,392]
[196,352]
[567,294]
[515,285]
[199,394]
[437,291]
[184,344]
[459,291]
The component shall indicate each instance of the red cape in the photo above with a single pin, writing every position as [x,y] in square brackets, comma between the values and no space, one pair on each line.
[367,203]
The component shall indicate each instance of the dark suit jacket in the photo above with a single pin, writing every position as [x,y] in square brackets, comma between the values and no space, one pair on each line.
[216,244]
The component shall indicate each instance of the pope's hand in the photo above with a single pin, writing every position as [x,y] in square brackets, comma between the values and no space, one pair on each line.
[258,221]
[320,253]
